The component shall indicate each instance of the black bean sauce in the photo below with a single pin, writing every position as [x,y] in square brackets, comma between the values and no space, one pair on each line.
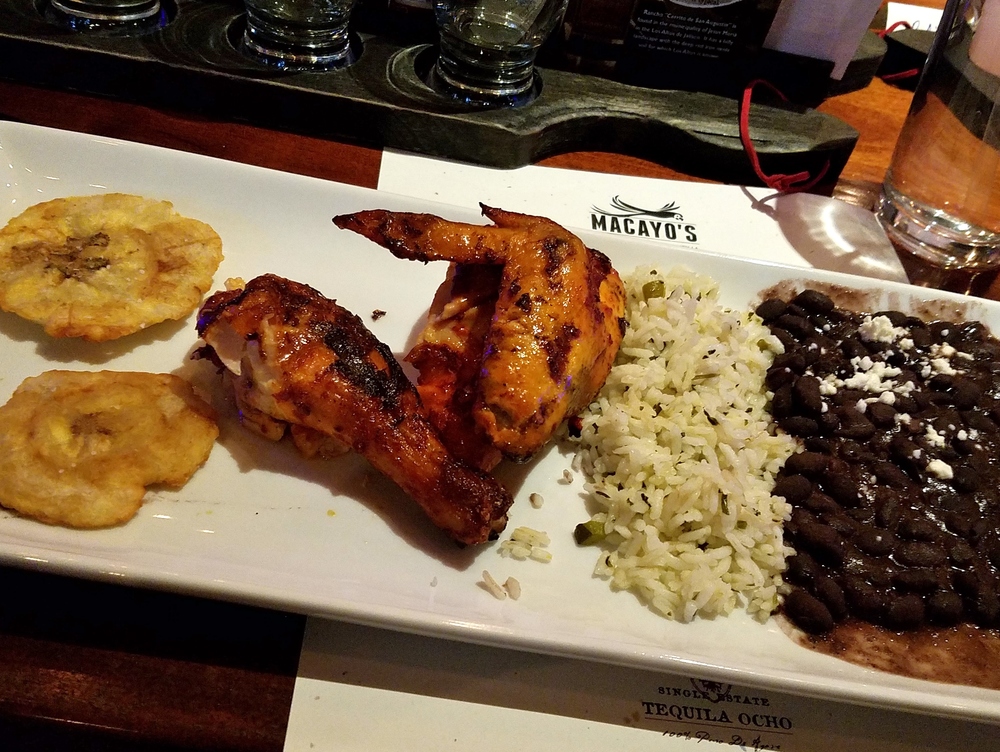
[896,494]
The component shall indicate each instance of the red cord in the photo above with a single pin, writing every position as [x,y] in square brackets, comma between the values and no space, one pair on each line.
[901,74]
[898,25]
[800,181]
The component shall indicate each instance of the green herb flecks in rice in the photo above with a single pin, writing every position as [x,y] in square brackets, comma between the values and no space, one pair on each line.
[680,454]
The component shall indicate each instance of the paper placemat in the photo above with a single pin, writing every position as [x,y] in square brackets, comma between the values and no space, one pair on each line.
[361,688]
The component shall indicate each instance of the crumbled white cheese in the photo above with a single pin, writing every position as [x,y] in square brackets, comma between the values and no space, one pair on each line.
[941,469]
[880,329]
[933,437]
[942,366]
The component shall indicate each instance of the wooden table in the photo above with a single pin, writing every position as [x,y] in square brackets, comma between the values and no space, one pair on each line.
[94,666]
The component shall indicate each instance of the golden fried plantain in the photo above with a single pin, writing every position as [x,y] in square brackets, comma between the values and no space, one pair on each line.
[100,267]
[79,448]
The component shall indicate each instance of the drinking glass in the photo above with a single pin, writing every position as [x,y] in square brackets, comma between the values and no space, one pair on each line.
[299,34]
[940,202]
[123,16]
[488,48]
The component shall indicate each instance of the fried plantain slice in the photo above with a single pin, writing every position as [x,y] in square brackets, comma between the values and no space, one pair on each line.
[101,267]
[79,448]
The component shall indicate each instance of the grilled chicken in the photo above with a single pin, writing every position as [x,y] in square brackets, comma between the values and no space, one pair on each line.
[555,327]
[299,359]
[448,354]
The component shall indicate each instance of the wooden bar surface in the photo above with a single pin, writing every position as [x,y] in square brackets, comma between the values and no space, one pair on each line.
[88,665]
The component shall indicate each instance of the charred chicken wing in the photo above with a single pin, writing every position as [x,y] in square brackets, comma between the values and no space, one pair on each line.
[299,359]
[555,326]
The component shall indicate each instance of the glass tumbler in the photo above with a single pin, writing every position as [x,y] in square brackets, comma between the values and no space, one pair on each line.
[299,34]
[122,16]
[940,202]
[488,48]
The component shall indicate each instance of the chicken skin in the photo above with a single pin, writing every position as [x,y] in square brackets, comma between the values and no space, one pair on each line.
[555,326]
[448,354]
[299,359]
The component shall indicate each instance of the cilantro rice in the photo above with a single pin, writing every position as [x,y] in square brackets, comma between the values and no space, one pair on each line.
[680,454]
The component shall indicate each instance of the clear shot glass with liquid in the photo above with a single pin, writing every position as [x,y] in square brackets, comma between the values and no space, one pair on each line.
[111,16]
[299,34]
[488,48]
[940,202]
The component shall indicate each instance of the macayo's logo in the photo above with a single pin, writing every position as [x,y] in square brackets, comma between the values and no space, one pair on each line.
[666,223]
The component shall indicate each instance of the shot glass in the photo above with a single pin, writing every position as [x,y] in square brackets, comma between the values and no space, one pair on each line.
[488,47]
[299,34]
[118,16]
[940,201]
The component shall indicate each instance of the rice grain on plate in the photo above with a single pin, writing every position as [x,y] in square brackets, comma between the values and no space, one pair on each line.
[680,454]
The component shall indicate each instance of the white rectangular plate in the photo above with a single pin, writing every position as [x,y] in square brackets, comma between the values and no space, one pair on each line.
[260,525]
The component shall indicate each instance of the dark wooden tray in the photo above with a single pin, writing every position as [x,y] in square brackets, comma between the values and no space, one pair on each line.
[193,64]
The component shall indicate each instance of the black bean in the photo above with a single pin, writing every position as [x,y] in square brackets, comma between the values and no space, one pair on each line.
[793,488]
[819,503]
[941,331]
[965,479]
[784,337]
[823,542]
[961,554]
[854,425]
[797,425]
[964,446]
[792,361]
[905,612]
[957,523]
[890,475]
[781,402]
[944,608]
[917,528]
[832,596]
[977,530]
[808,612]
[828,422]
[922,338]
[966,582]
[842,488]
[868,601]
[966,394]
[875,542]
[807,463]
[904,451]
[990,546]
[820,444]
[799,518]
[814,301]
[778,377]
[803,569]
[771,309]
[854,452]
[979,421]
[852,348]
[882,415]
[942,382]
[798,326]
[921,554]
[840,522]
[806,392]
[888,511]
[984,606]
[896,318]
[920,579]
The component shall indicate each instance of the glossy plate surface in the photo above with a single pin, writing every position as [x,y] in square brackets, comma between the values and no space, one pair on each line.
[258,524]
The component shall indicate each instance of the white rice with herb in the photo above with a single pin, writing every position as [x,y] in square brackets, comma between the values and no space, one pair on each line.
[680,454]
